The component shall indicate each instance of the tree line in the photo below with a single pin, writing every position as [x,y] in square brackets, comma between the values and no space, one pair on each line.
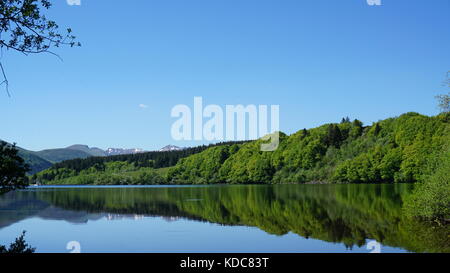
[155,159]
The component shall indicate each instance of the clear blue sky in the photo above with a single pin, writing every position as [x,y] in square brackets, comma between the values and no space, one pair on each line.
[319,60]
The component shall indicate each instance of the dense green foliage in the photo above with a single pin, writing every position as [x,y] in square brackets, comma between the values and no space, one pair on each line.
[408,148]
[431,197]
[204,167]
[392,150]
[12,168]
[108,173]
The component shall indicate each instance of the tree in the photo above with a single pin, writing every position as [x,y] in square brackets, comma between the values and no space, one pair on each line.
[25,29]
[376,129]
[334,135]
[444,102]
[12,168]
[431,198]
[443,99]
[304,133]
[345,120]
[19,246]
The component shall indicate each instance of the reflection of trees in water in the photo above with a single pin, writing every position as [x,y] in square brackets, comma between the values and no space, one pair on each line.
[335,213]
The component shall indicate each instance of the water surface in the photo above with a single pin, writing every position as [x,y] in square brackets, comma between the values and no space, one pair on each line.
[221,218]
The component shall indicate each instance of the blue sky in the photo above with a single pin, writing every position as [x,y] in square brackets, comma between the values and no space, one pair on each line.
[320,60]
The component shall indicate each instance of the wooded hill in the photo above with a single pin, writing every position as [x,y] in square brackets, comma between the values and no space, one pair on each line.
[155,159]
[393,150]
[408,148]
[397,149]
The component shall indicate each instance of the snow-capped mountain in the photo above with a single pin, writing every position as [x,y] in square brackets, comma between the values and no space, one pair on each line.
[120,151]
[169,148]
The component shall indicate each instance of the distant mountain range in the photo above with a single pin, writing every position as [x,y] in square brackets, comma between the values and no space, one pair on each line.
[41,160]
[171,148]
[44,159]
[81,151]
[94,151]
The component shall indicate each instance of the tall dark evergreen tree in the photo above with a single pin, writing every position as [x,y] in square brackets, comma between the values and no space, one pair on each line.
[304,133]
[334,136]
[345,120]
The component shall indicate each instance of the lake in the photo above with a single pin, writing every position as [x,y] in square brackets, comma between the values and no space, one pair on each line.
[218,218]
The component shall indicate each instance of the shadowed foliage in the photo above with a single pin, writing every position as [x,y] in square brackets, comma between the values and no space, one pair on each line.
[12,168]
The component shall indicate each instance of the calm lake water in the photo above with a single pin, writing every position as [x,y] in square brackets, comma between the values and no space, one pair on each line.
[221,218]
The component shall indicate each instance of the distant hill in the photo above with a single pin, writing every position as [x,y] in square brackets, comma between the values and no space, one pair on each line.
[94,151]
[35,162]
[82,151]
[58,155]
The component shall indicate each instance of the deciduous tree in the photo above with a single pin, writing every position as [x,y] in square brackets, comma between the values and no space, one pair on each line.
[12,168]
[24,28]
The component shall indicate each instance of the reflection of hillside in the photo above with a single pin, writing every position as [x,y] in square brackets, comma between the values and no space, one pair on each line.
[20,205]
[349,214]
[17,206]
[76,217]
[14,207]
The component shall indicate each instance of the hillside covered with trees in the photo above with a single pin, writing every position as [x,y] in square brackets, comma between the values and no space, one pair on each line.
[408,148]
[97,167]
[393,150]
[401,149]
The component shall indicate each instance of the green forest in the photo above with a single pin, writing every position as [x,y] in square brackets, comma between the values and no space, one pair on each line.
[155,159]
[408,148]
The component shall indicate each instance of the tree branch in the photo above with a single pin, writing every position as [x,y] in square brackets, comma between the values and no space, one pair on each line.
[5,81]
